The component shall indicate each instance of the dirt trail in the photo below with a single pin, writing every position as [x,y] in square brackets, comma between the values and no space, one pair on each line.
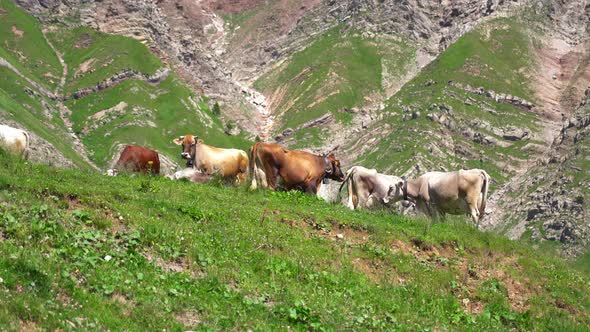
[64,111]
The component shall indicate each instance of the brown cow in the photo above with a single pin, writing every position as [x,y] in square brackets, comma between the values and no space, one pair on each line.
[211,160]
[298,169]
[137,159]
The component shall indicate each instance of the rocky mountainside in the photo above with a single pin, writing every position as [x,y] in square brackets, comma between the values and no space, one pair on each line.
[445,84]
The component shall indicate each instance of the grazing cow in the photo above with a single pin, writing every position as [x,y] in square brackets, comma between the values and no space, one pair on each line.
[298,169]
[15,141]
[192,175]
[137,159]
[366,187]
[210,160]
[439,193]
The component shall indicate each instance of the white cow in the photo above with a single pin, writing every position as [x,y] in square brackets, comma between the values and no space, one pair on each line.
[15,140]
[191,174]
[437,193]
[367,187]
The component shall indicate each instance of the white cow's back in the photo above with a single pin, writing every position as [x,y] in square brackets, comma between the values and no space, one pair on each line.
[13,139]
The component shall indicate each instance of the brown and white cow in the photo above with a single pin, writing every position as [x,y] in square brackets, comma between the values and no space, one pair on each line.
[137,159]
[210,160]
[299,170]
[440,193]
[15,141]
[367,187]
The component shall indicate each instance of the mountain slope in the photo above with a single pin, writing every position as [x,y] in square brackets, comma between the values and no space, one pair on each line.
[97,91]
[81,251]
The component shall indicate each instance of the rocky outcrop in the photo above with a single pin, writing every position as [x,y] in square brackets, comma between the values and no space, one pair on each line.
[497,97]
[125,74]
[552,203]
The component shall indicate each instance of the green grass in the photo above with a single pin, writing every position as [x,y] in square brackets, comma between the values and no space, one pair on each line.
[29,53]
[105,55]
[81,251]
[337,71]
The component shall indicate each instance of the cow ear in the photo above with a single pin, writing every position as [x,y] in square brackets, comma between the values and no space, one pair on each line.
[199,141]
[178,141]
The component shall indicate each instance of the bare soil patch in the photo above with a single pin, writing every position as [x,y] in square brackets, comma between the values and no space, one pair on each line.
[177,266]
[85,67]
[84,41]
[189,318]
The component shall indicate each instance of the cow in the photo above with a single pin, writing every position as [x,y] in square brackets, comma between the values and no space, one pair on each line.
[192,175]
[367,187]
[137,159]
[15,141]
[229,163]
[297,169]
[439,193]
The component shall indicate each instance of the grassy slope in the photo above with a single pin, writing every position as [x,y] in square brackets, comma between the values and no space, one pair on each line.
[485,58]
[211,257]
[105,55]
[29,112]
[29,52]
[337,71]
[167,103]
[33,57]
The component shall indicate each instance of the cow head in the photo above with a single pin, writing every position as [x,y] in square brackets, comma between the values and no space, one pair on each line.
[395,192]
[333,170]
[189,146]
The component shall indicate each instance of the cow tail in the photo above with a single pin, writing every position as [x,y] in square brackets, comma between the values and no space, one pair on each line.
[27,145]
[484,192]
[252,161]
[346,178]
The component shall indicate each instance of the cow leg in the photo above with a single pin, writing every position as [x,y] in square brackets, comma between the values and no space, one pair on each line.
[351,195]
[271,176]
[241,177]
[311,188]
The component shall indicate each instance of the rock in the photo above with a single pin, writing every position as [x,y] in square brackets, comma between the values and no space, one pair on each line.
[514,134]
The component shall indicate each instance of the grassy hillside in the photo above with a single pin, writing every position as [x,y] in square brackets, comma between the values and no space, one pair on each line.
[81,251]
[23,45]
[495,57]
[339,70]
[131,111]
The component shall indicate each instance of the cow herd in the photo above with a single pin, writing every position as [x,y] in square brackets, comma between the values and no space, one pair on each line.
[272,165]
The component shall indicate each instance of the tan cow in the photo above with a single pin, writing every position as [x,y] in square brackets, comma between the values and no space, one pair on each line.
[367,187]
[211,160]
[439,193]
[15,141]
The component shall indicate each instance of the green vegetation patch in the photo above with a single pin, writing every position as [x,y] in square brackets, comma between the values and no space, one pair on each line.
[135,112]
[23,45]
[127,253]
[27,110]
[339,70]
[94,56]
